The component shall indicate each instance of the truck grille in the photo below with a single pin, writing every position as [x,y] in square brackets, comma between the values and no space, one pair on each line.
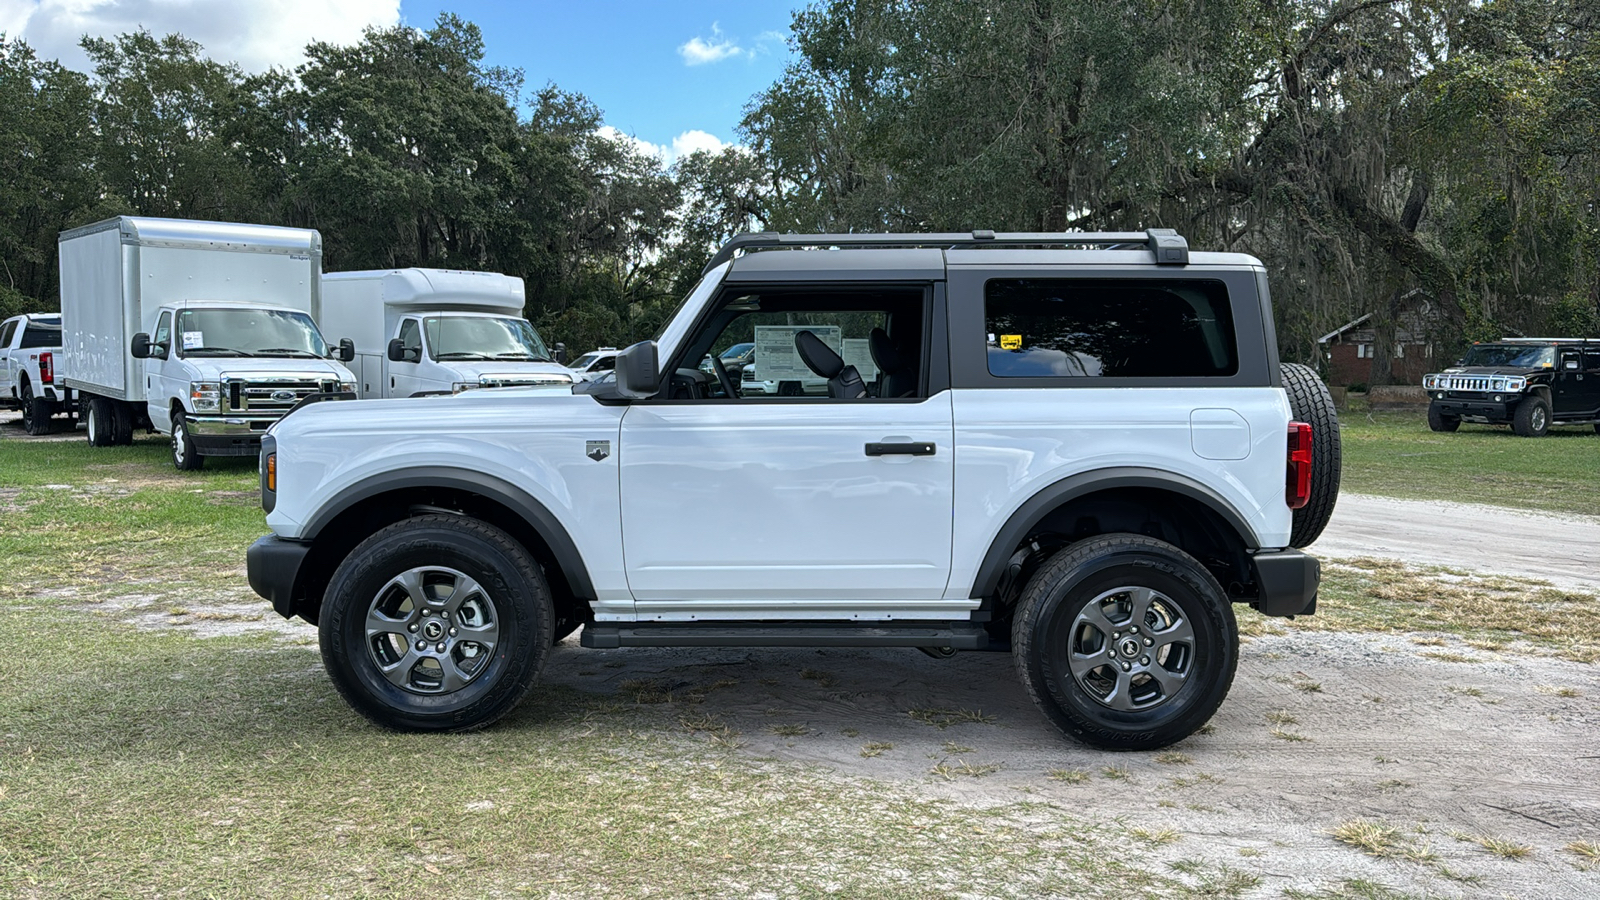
[272,398]
[1466,382]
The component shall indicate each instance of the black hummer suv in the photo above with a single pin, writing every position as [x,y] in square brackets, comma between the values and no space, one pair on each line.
[1527,383]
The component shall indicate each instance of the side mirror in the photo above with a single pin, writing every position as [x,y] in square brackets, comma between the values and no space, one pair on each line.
[347,350]
[561,353]
[397,351]
[638,372]
[141,346]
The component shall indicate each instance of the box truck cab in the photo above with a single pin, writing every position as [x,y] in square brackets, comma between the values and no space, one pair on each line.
[436,331]
[205,331]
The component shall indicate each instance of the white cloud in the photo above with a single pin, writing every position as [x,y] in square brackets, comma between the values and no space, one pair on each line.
[698,51]
[681,146]
[257,34]
[695,140]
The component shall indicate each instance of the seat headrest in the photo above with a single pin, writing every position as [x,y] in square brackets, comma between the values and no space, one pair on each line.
[817,356]
[885,352]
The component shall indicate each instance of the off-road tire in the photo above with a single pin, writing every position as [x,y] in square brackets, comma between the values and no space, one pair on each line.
[101,422]
[1438,421]
[1532,418]
[1048,613]
[185,458]
[1310,402]
[35,411]
[510,580]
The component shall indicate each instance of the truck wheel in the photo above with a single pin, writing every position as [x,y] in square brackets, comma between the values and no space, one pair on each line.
[1532,418]
[436,623]
[1310,402]
[1125,642]
[1438,421]
[184,456]
[35,411]
[100,428]
[121,424]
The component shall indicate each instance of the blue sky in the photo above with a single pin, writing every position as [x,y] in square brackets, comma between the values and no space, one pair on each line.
[627,55]
[664,72]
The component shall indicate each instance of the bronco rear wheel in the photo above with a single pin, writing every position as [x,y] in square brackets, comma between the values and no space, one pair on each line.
[1125,642]
[436,623]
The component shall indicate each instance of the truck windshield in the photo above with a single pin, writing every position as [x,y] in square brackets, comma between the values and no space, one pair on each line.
[483,337]
[1511,356]
[248,332]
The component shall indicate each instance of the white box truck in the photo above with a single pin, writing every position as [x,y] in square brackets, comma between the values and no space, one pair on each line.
[202,330]
[436,331]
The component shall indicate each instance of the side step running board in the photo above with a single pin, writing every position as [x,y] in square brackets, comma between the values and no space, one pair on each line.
[956,636]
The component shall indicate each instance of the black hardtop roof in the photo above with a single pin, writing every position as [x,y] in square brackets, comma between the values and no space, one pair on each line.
[1168,247]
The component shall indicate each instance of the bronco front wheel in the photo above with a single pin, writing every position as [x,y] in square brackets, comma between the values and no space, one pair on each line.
[1125,642]
[436,623]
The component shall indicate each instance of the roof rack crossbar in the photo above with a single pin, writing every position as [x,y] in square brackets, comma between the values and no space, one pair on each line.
[1169,247]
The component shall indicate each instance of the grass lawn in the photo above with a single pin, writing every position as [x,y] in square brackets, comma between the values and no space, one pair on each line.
[149,761]
[1393,453]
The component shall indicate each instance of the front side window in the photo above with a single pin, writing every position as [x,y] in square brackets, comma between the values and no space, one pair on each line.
[411,340]
[6,331]
[1083,328]
[754,331]
[164,333]
[483,337]
[249,332]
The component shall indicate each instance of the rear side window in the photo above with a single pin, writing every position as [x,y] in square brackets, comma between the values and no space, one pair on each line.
[1083,328]
[37,335]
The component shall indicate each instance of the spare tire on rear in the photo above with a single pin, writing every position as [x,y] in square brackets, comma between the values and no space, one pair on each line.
[1311,403]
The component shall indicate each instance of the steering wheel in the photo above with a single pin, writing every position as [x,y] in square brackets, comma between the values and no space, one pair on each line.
[728,387]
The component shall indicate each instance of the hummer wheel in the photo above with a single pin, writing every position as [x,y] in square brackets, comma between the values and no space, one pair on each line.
[1532,418]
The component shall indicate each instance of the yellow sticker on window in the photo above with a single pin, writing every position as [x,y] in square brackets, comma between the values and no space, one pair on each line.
[1010,342]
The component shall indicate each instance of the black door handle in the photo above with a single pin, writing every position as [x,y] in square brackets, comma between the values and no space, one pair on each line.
[910,449]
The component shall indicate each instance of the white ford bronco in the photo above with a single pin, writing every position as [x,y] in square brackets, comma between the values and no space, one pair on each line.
[1080,448]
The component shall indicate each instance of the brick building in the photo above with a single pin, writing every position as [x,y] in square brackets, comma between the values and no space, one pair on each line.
[1349,350]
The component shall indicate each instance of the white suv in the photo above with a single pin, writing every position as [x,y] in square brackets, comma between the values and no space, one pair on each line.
[1080,448]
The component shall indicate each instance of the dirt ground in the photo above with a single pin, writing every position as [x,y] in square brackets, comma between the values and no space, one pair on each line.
[1319,730]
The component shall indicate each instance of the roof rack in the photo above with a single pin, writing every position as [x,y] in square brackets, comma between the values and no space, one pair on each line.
[1169,247]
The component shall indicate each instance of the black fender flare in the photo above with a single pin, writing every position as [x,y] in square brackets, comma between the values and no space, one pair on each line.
[1048,498]
[536,514]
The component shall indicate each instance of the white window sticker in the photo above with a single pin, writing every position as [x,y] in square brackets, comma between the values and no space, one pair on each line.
[193,340]
[778,360]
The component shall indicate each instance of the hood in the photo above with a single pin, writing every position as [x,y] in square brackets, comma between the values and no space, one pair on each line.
[473,370]
[1492,370]
[266,368]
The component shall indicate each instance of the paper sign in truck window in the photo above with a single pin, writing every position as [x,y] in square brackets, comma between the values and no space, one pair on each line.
[778,360]
[193,340]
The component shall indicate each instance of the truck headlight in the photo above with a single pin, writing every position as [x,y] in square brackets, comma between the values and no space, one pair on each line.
[206,396]
[347,387]
[460,386]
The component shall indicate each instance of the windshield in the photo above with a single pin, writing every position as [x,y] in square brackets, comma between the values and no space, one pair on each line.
[249,332]
[1511,356]
[584,360]
[483,337]
[738,350]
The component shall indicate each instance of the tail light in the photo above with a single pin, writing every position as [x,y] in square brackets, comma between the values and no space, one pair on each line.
[47,368]
[1297,483]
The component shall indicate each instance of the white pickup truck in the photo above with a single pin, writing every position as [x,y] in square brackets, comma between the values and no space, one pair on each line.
[30,349]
